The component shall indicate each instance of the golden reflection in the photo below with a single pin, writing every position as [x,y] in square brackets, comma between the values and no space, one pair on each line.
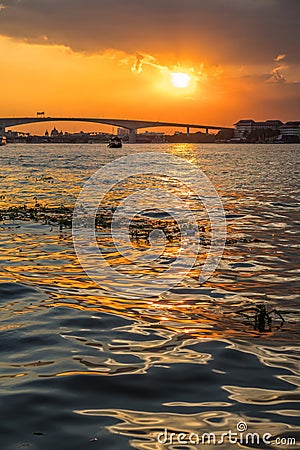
[17,375]
[40,255]
[143,428]
[272,356]
[169,349]
[9,327]
[86,330]
[261,396]
[51,264]
[192,405]
[50,304]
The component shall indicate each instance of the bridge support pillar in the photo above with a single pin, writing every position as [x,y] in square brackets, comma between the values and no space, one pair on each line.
[206,131]
[2,129]
[132,136]
[188,131]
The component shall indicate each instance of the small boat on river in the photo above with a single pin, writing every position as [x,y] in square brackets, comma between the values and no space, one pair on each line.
[3,140]
[115,142]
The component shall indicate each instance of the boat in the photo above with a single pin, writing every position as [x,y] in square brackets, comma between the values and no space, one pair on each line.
[3,140]
[115,142]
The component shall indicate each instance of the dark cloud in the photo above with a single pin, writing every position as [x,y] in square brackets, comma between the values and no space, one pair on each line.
[251,31]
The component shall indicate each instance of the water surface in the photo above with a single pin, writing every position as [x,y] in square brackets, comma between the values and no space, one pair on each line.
[83,368]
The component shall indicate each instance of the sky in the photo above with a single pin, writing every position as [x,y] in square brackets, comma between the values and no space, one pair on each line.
[117,58]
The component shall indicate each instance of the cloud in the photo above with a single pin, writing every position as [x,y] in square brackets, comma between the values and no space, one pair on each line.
[142,60]
[280,57]
[276,77]
[276,74]
[138,65]
[231,31]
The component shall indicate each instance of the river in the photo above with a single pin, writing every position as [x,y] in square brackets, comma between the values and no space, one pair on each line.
[83,367]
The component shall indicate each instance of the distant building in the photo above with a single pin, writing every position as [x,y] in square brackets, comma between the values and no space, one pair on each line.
[244,127]
[290,129]
[122,132]
[54,132]
[150,136]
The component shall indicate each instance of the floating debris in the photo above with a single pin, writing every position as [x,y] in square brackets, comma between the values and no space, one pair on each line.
[141,226]
[262,319]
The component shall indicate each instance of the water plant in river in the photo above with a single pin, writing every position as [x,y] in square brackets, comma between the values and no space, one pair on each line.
[262,318]
[140,227]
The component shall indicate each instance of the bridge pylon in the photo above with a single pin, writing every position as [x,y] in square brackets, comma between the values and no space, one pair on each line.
[132,136]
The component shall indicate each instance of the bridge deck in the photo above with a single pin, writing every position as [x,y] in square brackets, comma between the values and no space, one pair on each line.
[124,123]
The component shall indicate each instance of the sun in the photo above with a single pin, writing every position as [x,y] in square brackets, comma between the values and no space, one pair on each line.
[180,80]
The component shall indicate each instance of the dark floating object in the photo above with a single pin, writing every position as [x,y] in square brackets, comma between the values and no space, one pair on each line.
[2,140]
[155,214]
[261,319]
[115,142]
[140,228]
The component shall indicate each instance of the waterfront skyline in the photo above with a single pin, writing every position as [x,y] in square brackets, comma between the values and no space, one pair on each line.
[198,61]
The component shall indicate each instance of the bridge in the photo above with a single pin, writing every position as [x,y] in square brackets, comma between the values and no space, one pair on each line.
[131,125]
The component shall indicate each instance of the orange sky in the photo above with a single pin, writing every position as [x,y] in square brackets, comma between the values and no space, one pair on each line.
[62,80]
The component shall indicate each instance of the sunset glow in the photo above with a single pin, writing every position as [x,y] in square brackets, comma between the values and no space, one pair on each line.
[180,80]
[150,69]
[149,217]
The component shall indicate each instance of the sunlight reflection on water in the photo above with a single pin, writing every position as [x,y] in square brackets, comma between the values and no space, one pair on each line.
[184,360]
